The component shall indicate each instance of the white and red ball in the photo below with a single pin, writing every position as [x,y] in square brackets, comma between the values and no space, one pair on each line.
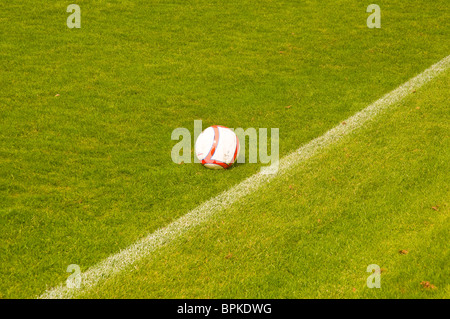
[217,147]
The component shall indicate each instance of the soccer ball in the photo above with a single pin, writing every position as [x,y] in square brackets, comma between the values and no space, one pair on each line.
[217,147]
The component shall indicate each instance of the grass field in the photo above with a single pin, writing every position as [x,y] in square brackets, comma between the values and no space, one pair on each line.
[373,199]
[86,119]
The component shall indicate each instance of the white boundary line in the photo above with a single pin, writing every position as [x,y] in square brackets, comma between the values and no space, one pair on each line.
[146,246]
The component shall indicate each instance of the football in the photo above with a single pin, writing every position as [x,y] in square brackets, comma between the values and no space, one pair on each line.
[217,147]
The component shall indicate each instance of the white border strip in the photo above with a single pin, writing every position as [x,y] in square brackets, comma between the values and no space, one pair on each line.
[146,246]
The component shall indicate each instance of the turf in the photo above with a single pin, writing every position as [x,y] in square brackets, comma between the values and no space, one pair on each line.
[87,114]
[380,197]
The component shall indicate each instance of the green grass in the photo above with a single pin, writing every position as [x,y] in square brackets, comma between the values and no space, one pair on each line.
[87,173]
[313,233]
